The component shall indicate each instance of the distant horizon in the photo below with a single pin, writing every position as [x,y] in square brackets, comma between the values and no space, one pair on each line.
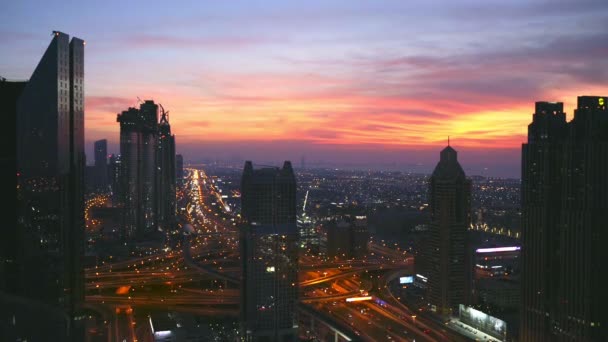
[416,161]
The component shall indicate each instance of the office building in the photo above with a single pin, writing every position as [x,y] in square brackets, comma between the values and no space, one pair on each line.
[165,174]
[101,164]
[449,265]
[50,182]
[564,215]
[269,254]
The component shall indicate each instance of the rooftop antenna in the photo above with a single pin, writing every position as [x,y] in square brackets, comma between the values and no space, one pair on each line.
[448,140]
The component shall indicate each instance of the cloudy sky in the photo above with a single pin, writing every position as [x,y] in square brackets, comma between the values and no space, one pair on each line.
[380,83]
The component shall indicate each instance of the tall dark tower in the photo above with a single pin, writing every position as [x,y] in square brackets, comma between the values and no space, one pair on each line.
[165,173]
[269,254]
[101,164]
[50,164]
[564,215]
[138,148]
[449,273]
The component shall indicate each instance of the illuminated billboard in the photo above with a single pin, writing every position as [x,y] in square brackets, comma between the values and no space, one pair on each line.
[498,249]
[484,322]
[406,280]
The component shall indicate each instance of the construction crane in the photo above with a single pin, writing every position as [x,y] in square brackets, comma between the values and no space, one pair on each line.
[164,115]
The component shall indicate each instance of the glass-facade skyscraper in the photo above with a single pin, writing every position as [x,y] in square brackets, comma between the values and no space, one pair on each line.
[564,215]
[269,254]
[50,181]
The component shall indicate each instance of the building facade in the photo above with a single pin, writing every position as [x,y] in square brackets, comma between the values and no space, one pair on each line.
[269,254]
[50,182]
[449,258]
[564,215]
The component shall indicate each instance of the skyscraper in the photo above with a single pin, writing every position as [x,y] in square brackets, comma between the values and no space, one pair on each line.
[165,173]
[269,254]
[50,168]
[564,215]
[450,271]
[101,164]
[138,148]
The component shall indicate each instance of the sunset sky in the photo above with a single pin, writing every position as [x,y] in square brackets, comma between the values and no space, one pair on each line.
[342,82]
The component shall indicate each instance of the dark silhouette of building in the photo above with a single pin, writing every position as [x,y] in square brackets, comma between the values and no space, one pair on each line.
[347,238]
[165,173]
[179,168]
[138,148]
[449,263]
[101,164]
[269,254]
[50,184]
[9,246]
[564,215]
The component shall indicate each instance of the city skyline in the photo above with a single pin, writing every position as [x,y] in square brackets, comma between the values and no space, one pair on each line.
[298,76]
[448,180]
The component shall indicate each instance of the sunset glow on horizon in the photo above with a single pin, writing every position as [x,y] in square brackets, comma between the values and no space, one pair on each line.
[330,76]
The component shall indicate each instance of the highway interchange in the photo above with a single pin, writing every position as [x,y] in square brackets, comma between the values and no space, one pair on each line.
[198,273]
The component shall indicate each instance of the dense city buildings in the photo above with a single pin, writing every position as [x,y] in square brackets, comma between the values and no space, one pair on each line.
[309,236]
[48,240]
[269,254]
[564,215]
[100,149]
[448,258]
